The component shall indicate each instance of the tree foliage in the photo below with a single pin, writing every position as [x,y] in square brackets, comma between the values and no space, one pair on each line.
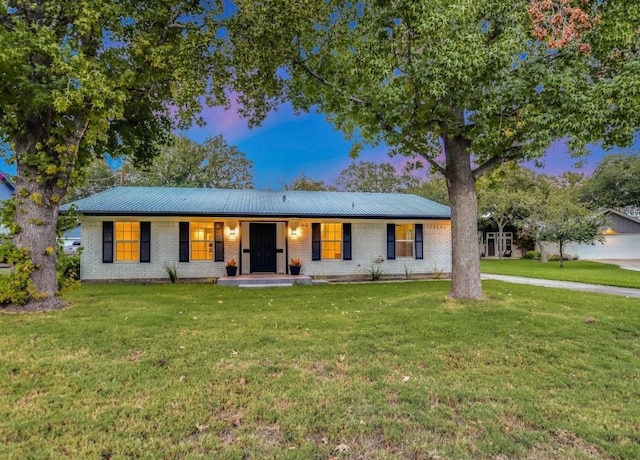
[95,177]
[185,163]
[504,197]
[367,176]
[554,215]
[614,184]
[433,188]
[80,79]
[303,182]
[474,80]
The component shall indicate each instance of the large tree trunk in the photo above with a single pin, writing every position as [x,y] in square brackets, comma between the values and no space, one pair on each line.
[38,196]
[37,218]
[465,274]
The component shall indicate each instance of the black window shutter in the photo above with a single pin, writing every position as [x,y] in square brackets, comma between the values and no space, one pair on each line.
[145,242]
[219,239]
[107,242]
[183,252]
[419,242]
[315,241]
[391,241]
[346,241]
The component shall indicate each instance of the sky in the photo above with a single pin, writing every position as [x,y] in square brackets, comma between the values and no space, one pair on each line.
[286,145]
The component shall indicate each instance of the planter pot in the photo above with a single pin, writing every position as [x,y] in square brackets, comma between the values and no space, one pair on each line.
[295,270]
[231,271]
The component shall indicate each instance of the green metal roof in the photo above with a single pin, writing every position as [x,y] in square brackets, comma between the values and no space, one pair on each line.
[165,201]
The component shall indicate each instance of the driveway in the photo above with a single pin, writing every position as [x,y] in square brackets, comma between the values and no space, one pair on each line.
[612,290]
[627,264]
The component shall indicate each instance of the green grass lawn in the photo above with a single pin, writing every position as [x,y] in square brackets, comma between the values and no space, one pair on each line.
[576,270]
[375,371]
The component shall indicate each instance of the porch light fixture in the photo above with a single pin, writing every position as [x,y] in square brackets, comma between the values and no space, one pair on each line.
[293,226]
[232,228]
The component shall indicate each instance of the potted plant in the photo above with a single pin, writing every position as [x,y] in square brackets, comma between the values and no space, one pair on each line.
[232,267]
[294,266]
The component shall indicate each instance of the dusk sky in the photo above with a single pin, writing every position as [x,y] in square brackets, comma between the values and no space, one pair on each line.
[287,145]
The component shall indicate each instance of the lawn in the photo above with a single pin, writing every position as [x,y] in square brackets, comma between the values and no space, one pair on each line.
[576,270]
[374,370]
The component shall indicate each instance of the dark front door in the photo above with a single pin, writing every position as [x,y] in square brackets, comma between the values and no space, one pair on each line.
[262,240]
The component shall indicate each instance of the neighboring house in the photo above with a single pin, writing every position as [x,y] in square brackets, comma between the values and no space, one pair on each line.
[7,190]
[134,233]
[622,239]
[489,243]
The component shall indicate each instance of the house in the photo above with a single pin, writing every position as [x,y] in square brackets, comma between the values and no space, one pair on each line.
[622,239]
[7,190]
[490,243]
[135,233]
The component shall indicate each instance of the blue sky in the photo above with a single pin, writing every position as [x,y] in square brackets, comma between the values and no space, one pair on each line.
[286,145]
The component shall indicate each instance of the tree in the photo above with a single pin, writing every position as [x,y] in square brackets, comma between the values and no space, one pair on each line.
[96,177]
[503,197]
[478,81]
[302,182]
[554,215]
[564,221]
[434,188]
[80,79]
[185,163]
[367,176]
[614,184]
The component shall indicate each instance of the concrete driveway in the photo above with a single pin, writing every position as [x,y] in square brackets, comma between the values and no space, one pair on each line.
[627,264]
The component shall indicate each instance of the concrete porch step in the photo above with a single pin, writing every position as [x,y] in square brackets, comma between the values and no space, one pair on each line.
[270,279]
[263,285]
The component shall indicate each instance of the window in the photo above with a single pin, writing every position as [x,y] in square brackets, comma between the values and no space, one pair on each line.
[127,241]
[404,240]
[331,241]
[201,240]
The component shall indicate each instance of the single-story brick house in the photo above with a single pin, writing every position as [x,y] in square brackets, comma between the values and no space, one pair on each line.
[133,233]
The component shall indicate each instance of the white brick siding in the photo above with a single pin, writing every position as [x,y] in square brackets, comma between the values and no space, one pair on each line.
[368,244]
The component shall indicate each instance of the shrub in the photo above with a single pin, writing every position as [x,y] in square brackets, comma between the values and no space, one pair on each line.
[532,255]
[68,271]
[172,271]
[556,257]
[376,272]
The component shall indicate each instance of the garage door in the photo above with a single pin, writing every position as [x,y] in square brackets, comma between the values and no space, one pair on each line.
[622,246]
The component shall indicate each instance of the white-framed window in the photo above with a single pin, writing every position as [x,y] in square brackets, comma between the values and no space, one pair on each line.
[405,240]
[127,241]
[201,240]
[331,241]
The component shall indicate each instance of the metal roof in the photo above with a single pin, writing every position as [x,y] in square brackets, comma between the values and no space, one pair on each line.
[166,201]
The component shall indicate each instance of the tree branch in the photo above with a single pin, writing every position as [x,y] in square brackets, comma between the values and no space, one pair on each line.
[481,170]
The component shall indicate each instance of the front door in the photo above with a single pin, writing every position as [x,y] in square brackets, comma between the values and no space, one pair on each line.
[262,240]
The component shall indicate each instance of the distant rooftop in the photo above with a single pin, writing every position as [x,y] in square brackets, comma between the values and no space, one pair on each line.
[165,201]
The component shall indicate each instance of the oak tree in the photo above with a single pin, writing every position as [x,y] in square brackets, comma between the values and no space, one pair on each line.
[367,176]
[465,85]
[304,182]
[80,79]
[614,184]
[186,163]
